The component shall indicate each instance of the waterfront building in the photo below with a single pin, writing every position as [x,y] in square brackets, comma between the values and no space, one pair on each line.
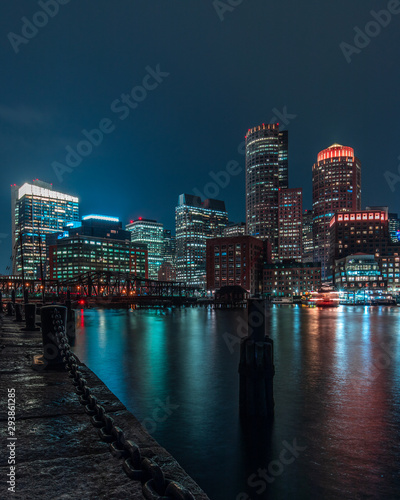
[359,231]
[290,224]
[196,222]
[234,229]
[100,226]
[357,272]
[150,233]
[307,237]
[266,172]
[167,272]
[290,278]
[37,211]
[336,184]
[79,254]
[390,268]
[236,260]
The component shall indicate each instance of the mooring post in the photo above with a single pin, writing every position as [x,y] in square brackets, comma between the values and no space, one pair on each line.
[30,317]
[18,313]
[10,311]
[51,354]
[13,296]
[26,295]
[256,366]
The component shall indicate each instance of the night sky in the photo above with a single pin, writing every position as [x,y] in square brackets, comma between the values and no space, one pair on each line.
[220,77]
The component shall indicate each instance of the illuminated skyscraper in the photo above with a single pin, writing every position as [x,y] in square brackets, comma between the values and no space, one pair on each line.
[196,221]
[290,215]
[266,172]
[308,241]
[36,212]
[151,233]
[336,180]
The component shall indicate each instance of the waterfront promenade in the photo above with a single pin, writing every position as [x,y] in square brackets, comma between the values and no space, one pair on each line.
[58,452]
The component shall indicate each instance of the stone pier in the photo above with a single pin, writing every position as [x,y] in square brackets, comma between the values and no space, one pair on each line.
[59,454]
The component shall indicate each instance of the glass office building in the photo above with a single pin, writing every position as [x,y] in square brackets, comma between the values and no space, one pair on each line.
[37,211]
[196,221]
[150,233]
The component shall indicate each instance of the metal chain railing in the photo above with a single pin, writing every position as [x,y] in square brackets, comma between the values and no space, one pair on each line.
[155,485]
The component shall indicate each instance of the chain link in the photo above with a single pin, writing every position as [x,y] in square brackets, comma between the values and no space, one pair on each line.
[155,485]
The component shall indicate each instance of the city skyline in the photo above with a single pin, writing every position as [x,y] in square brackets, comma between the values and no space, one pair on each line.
[192,125]
[287,170]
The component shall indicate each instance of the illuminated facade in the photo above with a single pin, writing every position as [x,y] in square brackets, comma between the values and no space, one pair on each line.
[233,229]
[266,172]
[80,254]
[37,211]
[359,271]
[236,260]
[290,278]
[151,233]
[365,231]
[290,228]
[336,182]
[307,237]
[196,221]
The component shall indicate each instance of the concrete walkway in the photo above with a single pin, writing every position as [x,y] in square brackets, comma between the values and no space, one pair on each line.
[58,452]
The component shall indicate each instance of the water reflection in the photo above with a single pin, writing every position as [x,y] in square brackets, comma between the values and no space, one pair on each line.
[335,395]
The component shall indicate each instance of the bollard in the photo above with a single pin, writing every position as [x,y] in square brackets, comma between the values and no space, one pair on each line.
[26,296]
[71,325]
[13,296]
[51,358]
[30,318]
[1,303]
[10,311]
[18,313]
[256,366]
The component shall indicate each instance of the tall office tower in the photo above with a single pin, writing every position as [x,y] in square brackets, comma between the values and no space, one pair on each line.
[283,159]
[336,181]
[196,221]
[266,172]
[151,233]
[290,224]
[37,211]
[307,235]
[169,247]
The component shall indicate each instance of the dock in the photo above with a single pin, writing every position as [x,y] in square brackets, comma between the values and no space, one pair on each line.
[58,452]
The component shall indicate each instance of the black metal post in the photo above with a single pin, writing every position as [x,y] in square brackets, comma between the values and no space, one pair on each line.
[256,366]
[30,317]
